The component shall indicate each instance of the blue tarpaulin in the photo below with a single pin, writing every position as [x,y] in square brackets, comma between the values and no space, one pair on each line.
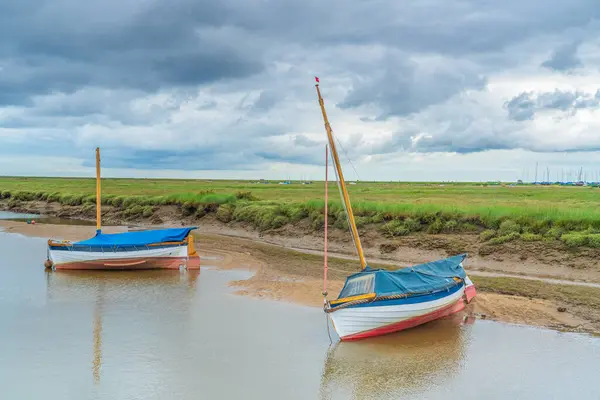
[422,278]
[138,238]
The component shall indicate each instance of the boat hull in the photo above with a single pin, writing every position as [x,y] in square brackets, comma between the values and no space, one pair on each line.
[174,257]
[388,316]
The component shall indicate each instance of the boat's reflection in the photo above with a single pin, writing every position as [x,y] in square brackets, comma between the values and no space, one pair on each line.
[100,286]
[397,364]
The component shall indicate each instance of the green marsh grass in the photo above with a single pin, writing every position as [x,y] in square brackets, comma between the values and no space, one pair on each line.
[502,213]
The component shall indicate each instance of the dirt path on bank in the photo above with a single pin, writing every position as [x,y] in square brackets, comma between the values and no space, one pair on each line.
[551,265]
[286,274]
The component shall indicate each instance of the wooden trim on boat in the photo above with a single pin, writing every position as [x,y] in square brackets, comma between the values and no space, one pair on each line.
[167,243]
[354,298]
[193,263]
[63,243]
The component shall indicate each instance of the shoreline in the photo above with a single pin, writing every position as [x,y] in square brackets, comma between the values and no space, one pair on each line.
[286,274]
[512,259]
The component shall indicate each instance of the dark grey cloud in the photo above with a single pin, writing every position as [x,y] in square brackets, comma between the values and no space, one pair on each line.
[266,101]
[401,86]
[440,27]
[197,159]
[62,46]
[564,58]
[472,131]
[304,141]
[524,106]
[68,66]
[461,135]
[294,158]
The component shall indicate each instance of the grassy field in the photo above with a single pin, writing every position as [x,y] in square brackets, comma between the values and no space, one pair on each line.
[498,213]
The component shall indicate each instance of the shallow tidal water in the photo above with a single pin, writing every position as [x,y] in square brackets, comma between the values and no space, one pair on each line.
[183,335]
[39,219]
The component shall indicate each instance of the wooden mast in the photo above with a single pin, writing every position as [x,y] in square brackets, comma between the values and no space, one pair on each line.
[345,197]
[98,201]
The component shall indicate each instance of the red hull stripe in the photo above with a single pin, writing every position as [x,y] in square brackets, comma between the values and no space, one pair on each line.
[134,263]
[470,292]
[409,323]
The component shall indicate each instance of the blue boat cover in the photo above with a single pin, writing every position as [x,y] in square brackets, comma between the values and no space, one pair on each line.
[137,238]
[422,278]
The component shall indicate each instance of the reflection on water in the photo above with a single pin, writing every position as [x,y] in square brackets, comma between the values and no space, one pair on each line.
[117,286]
[22,217]
[184,335]
[98,336]
[395,363]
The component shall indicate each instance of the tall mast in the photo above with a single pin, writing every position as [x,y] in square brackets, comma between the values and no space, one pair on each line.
[346,199]
[98,221]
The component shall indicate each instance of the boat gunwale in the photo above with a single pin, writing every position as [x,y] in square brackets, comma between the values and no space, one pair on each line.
[370,301]
[112,248]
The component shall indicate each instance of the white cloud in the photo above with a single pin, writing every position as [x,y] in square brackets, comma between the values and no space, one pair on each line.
[190,88]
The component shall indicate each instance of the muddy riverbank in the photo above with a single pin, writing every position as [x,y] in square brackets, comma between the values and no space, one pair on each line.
[531,259]
[287,274]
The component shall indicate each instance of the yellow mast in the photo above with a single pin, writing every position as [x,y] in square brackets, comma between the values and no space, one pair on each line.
[338,167]
[98,221]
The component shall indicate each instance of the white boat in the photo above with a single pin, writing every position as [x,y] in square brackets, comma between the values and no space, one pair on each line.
[375,302]
[171,248]
[149,249]
[379,305]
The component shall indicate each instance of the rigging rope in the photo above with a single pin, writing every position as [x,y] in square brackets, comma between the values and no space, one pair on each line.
[347,158]
[337,180]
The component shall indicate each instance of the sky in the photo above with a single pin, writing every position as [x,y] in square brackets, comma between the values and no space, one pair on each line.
[421,90]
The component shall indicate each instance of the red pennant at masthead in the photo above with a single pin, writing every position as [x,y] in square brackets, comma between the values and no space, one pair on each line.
[317,79]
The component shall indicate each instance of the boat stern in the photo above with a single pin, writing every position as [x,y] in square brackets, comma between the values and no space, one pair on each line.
[193,260]
[470,291]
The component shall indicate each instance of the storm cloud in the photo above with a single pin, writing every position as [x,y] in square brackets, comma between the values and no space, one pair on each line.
[227,85]
[564,58]
[526,105]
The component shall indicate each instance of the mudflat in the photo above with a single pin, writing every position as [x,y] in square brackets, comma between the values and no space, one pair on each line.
[285,272]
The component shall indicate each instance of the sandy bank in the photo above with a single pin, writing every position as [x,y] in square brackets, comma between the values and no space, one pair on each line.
[541,259]
[289,275]
[59,232]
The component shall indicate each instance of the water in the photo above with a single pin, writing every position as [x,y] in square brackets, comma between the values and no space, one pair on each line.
[182,335]
[39,219]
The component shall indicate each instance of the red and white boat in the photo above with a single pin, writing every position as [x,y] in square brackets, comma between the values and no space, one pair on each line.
[375,302]
[171,248]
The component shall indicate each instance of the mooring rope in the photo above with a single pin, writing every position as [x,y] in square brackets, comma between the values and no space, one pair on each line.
[328,332]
